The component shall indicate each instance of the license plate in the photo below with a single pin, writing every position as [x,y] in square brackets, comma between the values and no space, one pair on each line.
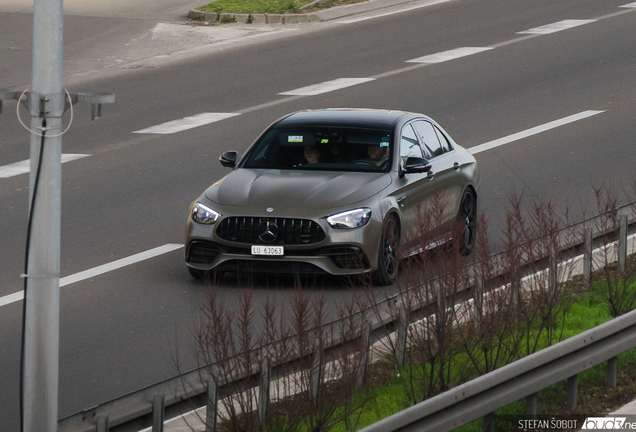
[268,250]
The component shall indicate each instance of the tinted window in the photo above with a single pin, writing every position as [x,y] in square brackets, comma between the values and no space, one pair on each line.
[409,144]
[427,135]
[322,148]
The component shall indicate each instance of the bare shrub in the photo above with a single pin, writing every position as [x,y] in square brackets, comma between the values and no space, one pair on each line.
[490,337]
[435,278]
[310,389]
[615,285]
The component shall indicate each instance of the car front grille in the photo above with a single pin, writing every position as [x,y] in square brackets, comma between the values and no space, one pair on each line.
[290,231]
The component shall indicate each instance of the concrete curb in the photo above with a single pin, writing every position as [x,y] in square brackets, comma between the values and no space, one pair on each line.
[325,15]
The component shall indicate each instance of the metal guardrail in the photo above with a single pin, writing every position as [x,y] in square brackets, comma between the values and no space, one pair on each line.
[520,379]
[475,399]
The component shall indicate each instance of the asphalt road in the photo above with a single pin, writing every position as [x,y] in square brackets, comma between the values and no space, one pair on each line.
[120,329]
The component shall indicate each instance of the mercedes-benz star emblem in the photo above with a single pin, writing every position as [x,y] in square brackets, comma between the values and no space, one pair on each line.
[267,231]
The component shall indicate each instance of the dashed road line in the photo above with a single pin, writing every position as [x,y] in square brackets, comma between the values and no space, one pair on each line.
[186,123]
[533,131]
[96,271]
[631,5]
[24,166]
[556,27]
[449,55]
[326,86]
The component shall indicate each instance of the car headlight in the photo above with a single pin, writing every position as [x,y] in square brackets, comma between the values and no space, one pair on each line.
[350,219]
[204,215]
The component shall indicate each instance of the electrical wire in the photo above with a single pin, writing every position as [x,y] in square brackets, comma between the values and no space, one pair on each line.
[26,271]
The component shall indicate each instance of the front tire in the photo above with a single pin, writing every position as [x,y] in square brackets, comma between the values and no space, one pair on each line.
[388,258]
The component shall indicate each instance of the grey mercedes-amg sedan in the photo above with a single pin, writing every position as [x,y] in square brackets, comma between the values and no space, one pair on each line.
[335,191]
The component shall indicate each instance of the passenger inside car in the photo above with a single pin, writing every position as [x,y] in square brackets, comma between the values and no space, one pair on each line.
[312,154]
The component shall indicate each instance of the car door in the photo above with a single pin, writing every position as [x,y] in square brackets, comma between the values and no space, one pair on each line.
[445,166]
[413,192]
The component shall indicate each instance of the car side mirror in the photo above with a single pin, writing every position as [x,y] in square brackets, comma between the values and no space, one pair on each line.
[228,159]
[415,165]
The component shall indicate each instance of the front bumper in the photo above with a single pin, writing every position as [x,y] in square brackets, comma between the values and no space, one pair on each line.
[336,260]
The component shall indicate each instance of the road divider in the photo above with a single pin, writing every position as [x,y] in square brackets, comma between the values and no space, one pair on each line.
[99,270]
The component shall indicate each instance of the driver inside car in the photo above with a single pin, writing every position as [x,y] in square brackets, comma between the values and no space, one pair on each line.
[377,154]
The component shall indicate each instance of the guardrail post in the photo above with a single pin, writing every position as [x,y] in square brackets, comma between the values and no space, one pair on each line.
[478,302]
[553,272]
[400,343]
[571,389]
[622,243]
[611,373]
[531,406]
[158,411]
[316,372]
[263,393]
[587,257]
[489,423]
[102,423]
[212,406]
[364,355]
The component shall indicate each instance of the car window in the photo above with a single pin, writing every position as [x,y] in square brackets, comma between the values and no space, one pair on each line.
[443,140]
[323,148]
[428,137]
[409,144]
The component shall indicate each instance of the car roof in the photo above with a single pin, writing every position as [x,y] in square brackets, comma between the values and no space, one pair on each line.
[352,117]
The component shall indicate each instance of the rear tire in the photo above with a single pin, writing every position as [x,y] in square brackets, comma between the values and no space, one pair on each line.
[467,219]
[388,258]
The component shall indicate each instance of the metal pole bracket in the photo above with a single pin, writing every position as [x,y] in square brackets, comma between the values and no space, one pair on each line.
[95,99]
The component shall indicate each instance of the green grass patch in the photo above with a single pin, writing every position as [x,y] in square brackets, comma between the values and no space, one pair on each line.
[255,6]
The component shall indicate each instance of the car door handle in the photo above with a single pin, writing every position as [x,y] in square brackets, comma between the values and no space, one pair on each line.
[401,201]
[457,166]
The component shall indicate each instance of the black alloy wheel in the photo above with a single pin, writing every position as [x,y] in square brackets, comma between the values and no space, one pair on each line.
[468,220]
[388,259]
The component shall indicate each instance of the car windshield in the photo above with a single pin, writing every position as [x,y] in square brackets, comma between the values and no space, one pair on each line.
[331,149]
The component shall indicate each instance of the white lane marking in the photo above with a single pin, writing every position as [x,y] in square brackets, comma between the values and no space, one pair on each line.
[24,166]
[449,55]
[556,27]
[327,86]
[533,131]
[631,5]
[355,20]
[11,298]
[105,268]
[187,123]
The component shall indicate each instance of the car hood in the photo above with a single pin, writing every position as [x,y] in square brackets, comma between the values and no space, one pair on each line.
[307,189]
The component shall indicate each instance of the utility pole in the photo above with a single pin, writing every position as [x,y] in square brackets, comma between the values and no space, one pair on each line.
[42,320]
[47,101]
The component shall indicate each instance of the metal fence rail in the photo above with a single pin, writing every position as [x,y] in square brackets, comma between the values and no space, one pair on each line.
[521,379]
[172,397]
